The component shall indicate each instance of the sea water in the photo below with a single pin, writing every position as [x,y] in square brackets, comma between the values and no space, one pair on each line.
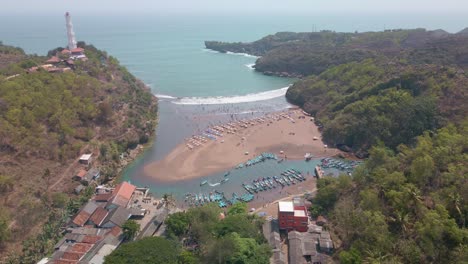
[198,87]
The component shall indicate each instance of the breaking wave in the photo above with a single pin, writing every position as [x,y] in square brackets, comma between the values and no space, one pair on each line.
[242,54]
[250,66]
[232,99]
[163,96]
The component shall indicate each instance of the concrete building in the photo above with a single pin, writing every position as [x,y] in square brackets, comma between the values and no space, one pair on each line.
[292,215]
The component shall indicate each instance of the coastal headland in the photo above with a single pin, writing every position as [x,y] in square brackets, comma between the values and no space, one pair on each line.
[289,134]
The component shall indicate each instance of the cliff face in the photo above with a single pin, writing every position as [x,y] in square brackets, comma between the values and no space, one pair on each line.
[50,114]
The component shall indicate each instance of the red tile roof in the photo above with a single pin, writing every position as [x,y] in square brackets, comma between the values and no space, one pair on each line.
[81,218]
[65,51]
[103,197]
[72,256]
[98,216]
[64,261]
[77,50]
[81,174]
[80,248]
[122,193]
[91,239]
[53,60]
[115,231]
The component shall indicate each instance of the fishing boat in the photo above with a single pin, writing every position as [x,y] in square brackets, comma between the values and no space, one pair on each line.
[227,174]
[224,180]
[308,156]
[203,182]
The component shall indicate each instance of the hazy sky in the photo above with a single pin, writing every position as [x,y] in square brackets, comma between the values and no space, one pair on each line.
[235,6]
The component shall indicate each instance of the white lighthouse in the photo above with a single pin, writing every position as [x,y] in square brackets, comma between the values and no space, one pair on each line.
[70,33]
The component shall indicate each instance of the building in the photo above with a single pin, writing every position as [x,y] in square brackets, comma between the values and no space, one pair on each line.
[271,234]
[84,214]
[80,175]
[86,159]
[303,248]
[292,215]
[53,60]
[121,195]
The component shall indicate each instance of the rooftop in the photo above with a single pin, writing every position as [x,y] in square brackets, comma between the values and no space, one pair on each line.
[286,206]
[123,193]
[299,213]
[85,156]
[81,173]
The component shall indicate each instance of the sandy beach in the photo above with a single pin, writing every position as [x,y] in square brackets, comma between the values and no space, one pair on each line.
[288,134]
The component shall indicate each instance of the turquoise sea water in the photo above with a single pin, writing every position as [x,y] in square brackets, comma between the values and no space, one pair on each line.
[196,86]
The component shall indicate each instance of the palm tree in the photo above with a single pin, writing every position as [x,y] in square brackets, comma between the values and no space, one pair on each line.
[168,200]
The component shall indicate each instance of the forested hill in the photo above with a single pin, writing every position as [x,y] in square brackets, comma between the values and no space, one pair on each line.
[302,54]
[370,87]
[399,98]
[49,116]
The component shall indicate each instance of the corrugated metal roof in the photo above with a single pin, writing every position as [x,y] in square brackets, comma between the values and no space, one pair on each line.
[98,216]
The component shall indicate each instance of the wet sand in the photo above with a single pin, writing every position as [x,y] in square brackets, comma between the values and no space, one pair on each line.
[294,138]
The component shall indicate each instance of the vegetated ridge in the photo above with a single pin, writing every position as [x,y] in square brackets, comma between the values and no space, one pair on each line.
[368,87]
[398,97]
[47,120]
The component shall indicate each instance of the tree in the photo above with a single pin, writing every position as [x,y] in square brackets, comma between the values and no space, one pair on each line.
[6,184]
[59,200]
[238,208]
[4,226]
[130,229]
[155,250]
[177,223]
[187,257]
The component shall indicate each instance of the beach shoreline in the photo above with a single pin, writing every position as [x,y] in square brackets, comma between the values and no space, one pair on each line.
[289,134]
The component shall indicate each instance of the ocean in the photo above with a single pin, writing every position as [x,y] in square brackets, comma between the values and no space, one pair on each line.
[197,87]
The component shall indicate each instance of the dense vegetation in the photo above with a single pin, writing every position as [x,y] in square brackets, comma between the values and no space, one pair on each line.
[47,120]
[302,54]
[400,97]
[155,250]
[201,235]
[360,104]
[408,206]
[370,87]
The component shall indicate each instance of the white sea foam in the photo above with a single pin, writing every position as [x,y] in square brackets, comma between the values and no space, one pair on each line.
[232,99]
[163,96]
[250,66]
[242,54]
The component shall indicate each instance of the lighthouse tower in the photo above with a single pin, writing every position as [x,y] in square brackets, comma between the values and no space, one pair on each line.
[70,33]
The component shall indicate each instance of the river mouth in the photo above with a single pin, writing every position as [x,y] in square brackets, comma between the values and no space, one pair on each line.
[177,122]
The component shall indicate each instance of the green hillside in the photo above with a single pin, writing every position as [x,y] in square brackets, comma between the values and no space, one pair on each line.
[49,116]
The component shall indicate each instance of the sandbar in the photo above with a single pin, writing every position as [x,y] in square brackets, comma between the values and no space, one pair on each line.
[290,137]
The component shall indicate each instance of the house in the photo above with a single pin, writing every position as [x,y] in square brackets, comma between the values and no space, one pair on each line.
[116,217]
[292,215]
[325,242]
[98,217]
[94,174]
[86,159]
[303,248]
[86,177]
[53,60]
[78,53]
[121,195]
[83,216]
[80,175]
[271,234]
[65,52]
